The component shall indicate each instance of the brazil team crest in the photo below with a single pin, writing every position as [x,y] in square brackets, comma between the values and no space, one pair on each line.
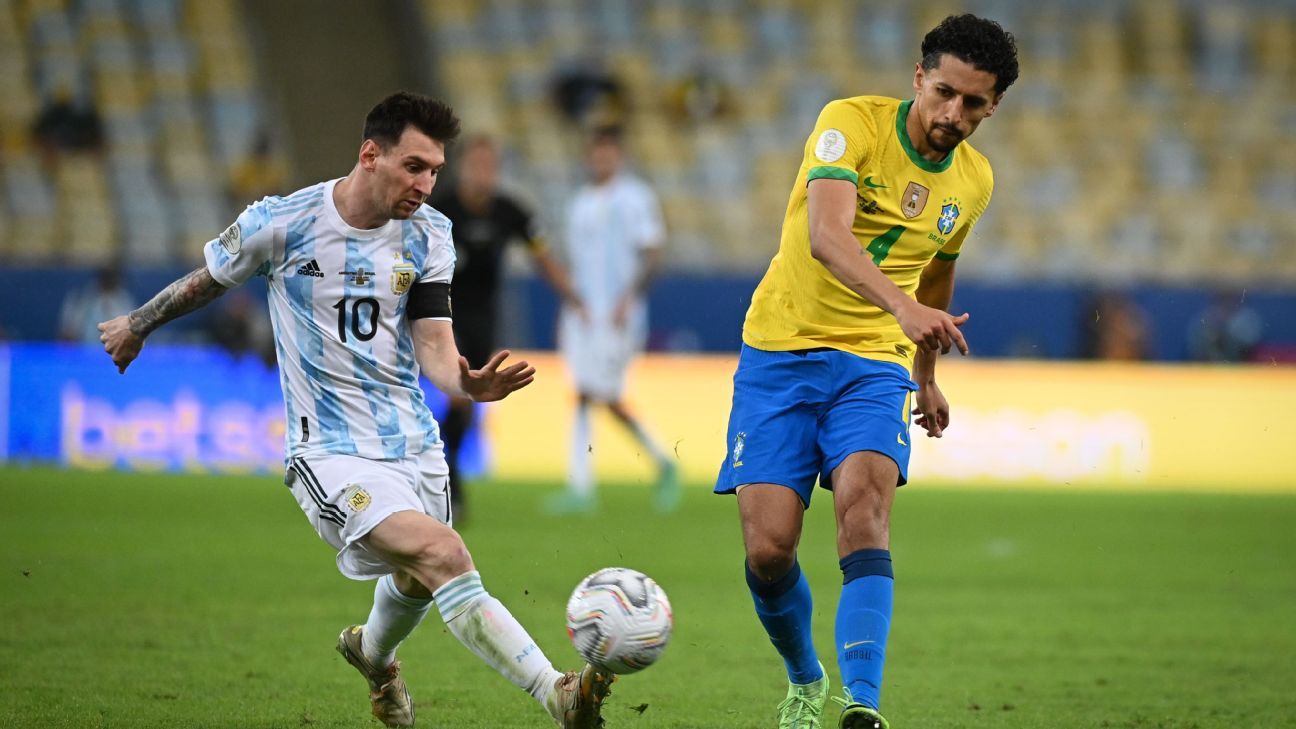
[740,444]
[948,216]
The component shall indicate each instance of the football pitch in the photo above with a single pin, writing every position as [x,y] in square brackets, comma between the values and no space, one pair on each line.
[169,600]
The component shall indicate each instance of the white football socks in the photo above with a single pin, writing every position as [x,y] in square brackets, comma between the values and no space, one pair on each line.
[490,631]
[394,616]
[581,475]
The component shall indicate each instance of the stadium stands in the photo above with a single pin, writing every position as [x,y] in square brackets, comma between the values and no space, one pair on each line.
[169,83]
[1146,141]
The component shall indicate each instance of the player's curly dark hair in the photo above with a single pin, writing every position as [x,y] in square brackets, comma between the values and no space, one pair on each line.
[978,41]
[387,121]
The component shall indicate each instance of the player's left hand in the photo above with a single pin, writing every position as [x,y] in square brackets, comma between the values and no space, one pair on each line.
[491,383]
[932,410]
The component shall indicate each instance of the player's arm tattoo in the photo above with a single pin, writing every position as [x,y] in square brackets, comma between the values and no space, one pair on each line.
[191,292]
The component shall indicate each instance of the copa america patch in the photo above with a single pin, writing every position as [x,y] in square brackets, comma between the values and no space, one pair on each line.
[232,239]
[831,145]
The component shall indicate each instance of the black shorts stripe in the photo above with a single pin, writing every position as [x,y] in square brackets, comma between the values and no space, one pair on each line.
[318,495]
[313,489]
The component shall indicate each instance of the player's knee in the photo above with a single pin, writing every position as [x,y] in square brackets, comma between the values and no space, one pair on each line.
[770,558]
[866,524]
[443,555]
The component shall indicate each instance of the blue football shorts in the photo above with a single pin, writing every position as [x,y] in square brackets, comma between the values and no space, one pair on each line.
[797,415]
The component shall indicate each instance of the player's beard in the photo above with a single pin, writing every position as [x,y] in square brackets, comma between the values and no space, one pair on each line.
[943,144]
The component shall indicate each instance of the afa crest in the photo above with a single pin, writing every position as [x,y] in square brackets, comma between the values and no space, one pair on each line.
[402,278]
[358,499]
[948,217]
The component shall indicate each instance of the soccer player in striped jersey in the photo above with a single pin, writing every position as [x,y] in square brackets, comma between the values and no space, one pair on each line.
[841,341]
[359,286]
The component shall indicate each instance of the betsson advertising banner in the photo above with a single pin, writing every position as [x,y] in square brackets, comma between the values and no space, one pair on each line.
[1082,425]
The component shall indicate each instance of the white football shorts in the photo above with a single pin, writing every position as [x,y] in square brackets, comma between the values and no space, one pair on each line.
[598,353]
[345,497]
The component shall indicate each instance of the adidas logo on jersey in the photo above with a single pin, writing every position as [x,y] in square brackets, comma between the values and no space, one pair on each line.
[311,269]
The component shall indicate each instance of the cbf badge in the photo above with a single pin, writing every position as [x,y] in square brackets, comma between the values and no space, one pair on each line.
[402,278]
[914,200]
[740,443]
[949,216]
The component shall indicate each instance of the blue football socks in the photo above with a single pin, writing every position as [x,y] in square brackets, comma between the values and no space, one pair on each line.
[784,608]
[863,620]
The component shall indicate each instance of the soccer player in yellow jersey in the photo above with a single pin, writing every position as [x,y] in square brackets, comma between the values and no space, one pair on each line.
[840,347]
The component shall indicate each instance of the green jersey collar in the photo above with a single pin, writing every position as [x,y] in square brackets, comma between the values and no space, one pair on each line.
[923,163]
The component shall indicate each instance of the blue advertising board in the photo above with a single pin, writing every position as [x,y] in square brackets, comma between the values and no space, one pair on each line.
[177,408]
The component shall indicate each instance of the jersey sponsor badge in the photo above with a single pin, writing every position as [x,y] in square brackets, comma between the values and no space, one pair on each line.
[358,499]
[402,278]
[831,145]
[914,200]
[232,239]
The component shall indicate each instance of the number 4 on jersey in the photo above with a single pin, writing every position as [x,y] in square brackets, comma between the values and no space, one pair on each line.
[880,246]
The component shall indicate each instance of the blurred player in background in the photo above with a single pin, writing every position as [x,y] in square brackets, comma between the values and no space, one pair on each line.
[843,329]
[614,244]
[359,286]
[486,220]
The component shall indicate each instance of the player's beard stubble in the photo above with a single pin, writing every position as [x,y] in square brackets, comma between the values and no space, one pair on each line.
[946,141]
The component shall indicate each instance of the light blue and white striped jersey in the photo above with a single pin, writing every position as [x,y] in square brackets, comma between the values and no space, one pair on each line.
[608,226]
[337,301]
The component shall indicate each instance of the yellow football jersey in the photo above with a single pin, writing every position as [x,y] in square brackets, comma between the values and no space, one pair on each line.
[907,211]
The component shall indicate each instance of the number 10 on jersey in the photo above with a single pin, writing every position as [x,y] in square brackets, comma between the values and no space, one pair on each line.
[361,310]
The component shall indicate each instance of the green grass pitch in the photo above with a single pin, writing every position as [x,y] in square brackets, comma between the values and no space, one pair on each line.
[182,601]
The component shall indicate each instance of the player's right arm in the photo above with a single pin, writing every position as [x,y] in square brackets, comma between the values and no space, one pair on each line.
[123,336]
[831,206]
[244,249]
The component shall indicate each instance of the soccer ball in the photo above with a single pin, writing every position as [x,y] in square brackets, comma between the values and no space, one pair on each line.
[619,620]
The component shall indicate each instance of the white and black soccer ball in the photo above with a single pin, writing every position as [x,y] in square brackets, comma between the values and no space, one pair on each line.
[619,620]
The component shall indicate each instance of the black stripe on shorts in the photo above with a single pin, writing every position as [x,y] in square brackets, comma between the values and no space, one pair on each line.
[327,510]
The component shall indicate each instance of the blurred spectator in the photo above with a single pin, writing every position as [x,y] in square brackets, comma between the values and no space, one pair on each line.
[615,235]
[100,301]
[240,326]
[699,97]
[260,173]
[1113,328]
[1227,331]
[66,125]
[585,89]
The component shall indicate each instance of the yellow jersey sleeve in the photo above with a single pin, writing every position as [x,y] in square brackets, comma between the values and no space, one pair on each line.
[841,144]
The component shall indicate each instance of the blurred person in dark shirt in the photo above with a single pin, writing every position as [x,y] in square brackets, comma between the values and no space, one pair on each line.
[486,221]
[241,326]
[65,124]
[1227,331]
[1113,327]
